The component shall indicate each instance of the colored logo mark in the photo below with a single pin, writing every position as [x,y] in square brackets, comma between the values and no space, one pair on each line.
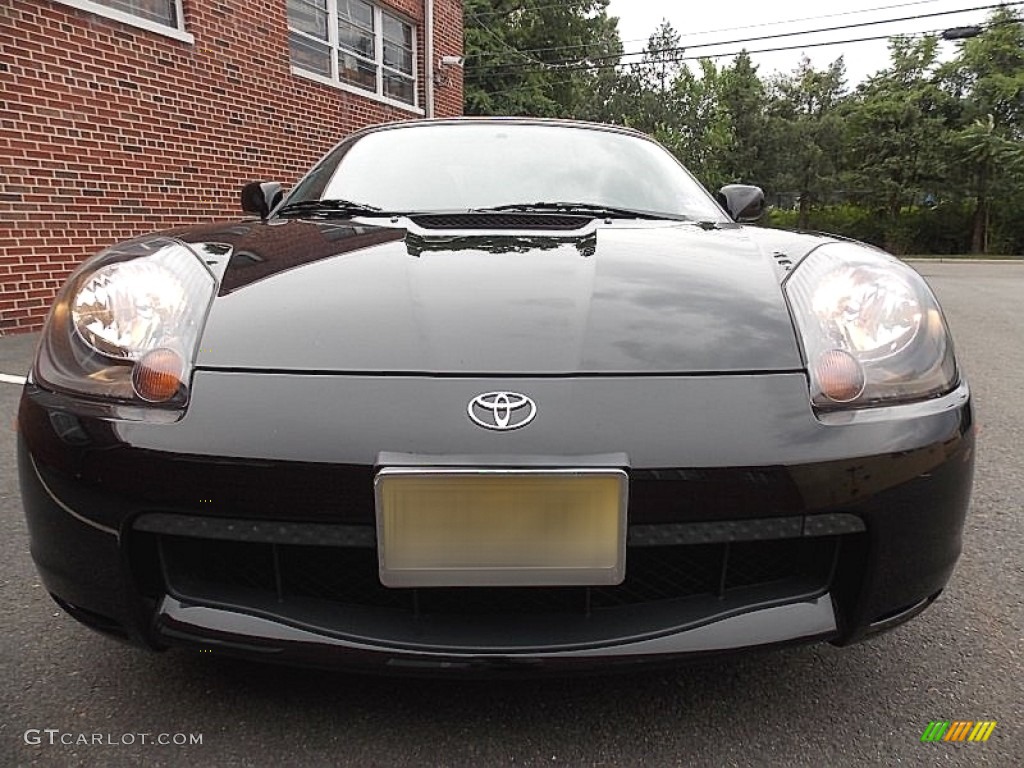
[958,730]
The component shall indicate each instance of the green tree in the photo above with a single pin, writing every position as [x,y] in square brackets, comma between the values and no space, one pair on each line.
[805,118]
[897,132]
[696,129]
[743,99]
[988,77]
[536,58]
[662,96]
[643,95]
[992,156]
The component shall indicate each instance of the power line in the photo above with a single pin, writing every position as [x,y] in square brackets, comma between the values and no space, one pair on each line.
[683,48]
[606,67]
[523,8]
[814,18]
[729,29]
[567,63]
[497,38]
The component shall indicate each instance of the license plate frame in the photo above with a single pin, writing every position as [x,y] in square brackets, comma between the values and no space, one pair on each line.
[548,527]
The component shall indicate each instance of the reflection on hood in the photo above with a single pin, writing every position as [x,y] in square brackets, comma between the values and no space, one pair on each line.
[241,254]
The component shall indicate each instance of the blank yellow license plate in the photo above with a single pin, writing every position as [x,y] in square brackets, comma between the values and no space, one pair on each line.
[440,527]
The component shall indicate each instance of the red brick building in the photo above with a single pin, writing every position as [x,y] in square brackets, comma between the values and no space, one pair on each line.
[123,116]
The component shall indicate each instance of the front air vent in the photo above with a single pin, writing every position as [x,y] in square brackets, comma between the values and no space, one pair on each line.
[491,221]
[783,260]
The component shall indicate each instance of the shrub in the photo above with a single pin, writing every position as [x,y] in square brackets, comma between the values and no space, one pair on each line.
[942,229]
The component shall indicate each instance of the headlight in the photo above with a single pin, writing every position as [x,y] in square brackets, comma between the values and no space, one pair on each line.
[125,327]
[872,330]
[123,310]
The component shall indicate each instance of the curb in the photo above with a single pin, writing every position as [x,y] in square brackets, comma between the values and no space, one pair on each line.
[962,260]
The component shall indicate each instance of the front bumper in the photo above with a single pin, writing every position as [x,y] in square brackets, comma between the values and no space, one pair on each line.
[819,538]
[241,634]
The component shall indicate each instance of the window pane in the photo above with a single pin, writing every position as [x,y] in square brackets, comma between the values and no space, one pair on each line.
[356,71]
[396,57]
[356,12]
[309,54]
[399,87]
[397,44]
[397,31]
[356,39]
[161,11]
[309,17]
[355,28]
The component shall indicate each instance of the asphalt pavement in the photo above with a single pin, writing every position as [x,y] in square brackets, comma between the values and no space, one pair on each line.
[963,659]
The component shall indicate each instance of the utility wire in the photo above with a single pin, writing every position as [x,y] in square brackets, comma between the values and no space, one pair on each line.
[812,18]
[498,39]
[525,7]
[724,29]
[606,67]
[569,63]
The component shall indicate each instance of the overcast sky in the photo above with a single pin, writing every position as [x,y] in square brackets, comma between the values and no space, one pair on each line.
[708,21]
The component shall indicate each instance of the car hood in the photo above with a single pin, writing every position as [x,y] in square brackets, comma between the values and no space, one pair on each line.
[614,297]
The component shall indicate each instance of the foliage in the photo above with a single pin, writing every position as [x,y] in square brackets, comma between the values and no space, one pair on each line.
[944,229]
[989,78]
[924,156]
[528,58]
[743,98]
[806,118]
[897,137]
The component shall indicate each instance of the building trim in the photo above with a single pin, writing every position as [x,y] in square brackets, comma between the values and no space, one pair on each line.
[428,56]
[134,21]
[370,95]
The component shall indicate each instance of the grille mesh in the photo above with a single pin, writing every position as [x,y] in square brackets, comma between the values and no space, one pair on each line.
[339,576]
[501,221]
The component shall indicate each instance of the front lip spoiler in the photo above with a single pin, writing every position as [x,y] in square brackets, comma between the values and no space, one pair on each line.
[206,628]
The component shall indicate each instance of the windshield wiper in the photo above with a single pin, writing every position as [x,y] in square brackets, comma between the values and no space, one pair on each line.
[594,209]
[344,207]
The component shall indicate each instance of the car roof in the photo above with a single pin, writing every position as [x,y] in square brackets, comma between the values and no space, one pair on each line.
[507,120]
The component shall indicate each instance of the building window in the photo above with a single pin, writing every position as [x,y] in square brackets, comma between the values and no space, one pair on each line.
[162,16]
[160,11]
[354,43]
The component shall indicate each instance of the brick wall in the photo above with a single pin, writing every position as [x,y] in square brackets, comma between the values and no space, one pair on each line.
[448,41]
[108,131]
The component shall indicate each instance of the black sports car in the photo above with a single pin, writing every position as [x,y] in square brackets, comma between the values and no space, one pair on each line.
[494,394]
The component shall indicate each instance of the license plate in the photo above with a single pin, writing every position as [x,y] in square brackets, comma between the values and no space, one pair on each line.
[446,527]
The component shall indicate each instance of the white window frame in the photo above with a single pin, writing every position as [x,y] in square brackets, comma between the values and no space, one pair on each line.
[178,32]
[378,61]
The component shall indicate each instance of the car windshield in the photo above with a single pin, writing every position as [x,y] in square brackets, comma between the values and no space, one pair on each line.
[449,167]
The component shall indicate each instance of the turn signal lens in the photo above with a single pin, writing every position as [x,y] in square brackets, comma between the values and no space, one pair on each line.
[157,376]
[840,375]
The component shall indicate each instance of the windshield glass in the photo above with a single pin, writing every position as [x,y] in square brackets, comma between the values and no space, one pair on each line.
[447,167]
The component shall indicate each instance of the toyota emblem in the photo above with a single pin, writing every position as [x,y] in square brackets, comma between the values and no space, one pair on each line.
[501,411]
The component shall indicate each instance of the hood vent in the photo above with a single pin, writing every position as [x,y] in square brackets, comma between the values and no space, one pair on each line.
[492,221]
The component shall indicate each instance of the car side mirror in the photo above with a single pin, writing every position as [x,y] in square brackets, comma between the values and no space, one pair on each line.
[260,197]
[742,201]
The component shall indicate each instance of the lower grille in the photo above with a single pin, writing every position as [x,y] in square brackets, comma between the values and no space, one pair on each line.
[218,571]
